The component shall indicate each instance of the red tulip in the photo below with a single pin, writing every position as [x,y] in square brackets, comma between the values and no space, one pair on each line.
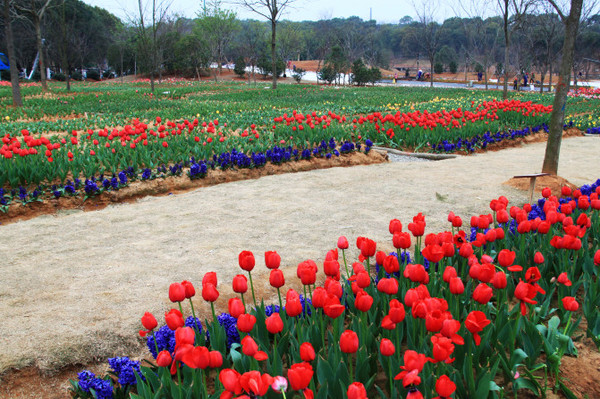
[174,319]
[255,383]
[293,307]
[450,327]
[388,286]
[395,226]
[249,346]
[276,278]
[506,257]
[190,291]
[413,364]
[597,258]
[215,359]
[380,257]
[368,248]
[197,358]
[274,323]
[236,307]
[307,272]
[475,323]
[333,287]
[307,352]
[456,286]
[499,280]
[565,191]
[387,323]
[349,342]
[386,347]
[209,293]
[272,259]
[442,348]
[391,264]
[401,240]
[184,336]
[230,380]
[433,253]
[444,386]
[570,303]
[342,243]
[333,308]
[363,301]
[245,322]
[246,260]
[357,390]
[538,258]
[149,322]
[319,297]
[396,312]
[502,216]
[482,293]
[164,359]
[466,250]
[210,278]
[331,268]
[564,279]
[240,284]
[176,292]
[546,192]
[299,375]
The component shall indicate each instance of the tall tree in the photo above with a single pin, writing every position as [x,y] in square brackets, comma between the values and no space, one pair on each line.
[557,119]
[36,9]
[14,73]
[271,10]
[149,34]
[217,26]
[512,12]
[429,32]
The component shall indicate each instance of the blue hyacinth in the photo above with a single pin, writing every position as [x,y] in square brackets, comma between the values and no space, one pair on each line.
[125,369]
[88,381]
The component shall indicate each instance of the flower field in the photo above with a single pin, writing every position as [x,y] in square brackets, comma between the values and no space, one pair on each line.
[101,137]
[487,308]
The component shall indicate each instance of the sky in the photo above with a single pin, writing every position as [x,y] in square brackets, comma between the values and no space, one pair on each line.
[383,11]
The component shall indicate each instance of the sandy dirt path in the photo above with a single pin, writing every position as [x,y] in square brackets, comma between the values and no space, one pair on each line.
[73,286]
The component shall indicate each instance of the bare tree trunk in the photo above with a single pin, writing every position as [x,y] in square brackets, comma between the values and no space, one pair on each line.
[506,51]
[14,73]
[273,59]
[550,78]
[38,39]
[431,60]
[557,118]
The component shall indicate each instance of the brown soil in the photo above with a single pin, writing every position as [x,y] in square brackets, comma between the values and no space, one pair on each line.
[555,183]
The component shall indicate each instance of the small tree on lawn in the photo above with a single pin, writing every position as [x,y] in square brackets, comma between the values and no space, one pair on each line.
[240,67]
[298,74]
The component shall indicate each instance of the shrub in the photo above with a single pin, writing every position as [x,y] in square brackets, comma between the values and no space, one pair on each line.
[240,67]
[298,74]
[374,75]
[76,75]
[360,73]
[93,74]
[327,73]
[453,67]
[61,77]
[438,67]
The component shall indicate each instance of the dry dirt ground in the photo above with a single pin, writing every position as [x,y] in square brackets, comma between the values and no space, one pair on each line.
[74,285]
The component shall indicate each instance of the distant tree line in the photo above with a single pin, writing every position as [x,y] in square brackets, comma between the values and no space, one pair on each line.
[76,37]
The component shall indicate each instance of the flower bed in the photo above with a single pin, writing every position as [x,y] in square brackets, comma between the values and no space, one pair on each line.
[479,314]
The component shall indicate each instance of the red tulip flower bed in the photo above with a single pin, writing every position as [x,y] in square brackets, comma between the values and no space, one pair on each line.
[474,314]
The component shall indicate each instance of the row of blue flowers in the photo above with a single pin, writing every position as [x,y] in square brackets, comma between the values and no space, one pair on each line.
[482,141]
[233,159]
